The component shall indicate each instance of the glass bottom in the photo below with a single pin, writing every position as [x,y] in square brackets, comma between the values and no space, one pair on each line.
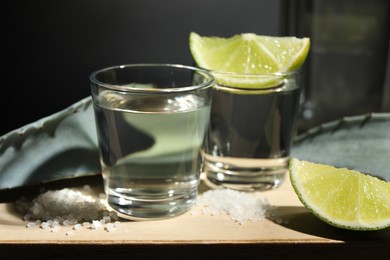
[244,174]
[133,208]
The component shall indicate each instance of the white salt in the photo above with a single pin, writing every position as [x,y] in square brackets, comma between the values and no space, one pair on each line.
[31,225]
[96,224]
[55,229]
[66,222]
[45,225]
[77,227]
[66,207]
[70,206]
[86,224]
[107,219]
[240,206]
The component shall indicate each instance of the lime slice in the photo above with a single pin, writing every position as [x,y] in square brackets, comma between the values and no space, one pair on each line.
[249,54]
[341,197]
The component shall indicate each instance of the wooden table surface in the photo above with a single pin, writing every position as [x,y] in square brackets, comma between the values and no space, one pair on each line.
[190,236]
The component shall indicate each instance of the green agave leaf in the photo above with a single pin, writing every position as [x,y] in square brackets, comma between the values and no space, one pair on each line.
[60,146]
[64,145]
[360,143]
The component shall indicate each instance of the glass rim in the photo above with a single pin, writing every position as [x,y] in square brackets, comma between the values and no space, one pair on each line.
[253,81]
[210,80]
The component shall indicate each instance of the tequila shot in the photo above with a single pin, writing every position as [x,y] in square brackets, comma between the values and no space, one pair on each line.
[151,122]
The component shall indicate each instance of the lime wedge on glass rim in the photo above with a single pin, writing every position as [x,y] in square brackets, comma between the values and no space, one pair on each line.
[342,197]
[250,54]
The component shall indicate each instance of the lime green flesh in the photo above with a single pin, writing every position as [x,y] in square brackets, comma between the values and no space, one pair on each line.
[249,54]
[341,197]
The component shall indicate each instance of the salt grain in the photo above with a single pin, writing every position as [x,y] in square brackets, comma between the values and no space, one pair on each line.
[31,225]
[45,225]
[107,219]
[77,227]
[55,229]
[86,224]
[68,204]
[71,208]
[96,224]
[240,206]
[65,207]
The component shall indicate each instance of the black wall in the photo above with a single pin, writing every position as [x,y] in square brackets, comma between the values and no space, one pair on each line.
[51,47]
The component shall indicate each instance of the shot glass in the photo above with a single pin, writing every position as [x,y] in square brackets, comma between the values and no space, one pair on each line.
[151,122]
[251,130]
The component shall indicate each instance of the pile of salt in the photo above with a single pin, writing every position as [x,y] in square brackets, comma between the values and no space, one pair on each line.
[66,207]
[240,206]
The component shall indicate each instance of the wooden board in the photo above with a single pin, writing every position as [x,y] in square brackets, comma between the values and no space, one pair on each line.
[192,235]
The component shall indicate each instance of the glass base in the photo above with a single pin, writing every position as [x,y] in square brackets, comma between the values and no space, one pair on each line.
[244,174]
[151,209]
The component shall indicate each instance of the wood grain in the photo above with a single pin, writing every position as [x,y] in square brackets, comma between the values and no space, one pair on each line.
[192,235]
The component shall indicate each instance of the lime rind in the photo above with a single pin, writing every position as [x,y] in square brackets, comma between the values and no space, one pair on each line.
[360,214]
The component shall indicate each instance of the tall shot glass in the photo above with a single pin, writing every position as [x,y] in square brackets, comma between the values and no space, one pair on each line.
[151,121]
[251,130]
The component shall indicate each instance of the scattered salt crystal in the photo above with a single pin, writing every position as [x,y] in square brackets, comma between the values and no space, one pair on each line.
[69,233]
[31,225]
[55,229]
[96,224]
[86,224]
[44,225]
[107,219]
[77,227]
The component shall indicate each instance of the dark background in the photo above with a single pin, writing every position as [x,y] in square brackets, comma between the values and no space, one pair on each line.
[51,47]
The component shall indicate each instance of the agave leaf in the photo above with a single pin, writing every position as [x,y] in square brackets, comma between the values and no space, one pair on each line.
[64,145]
[60,146]
[360,143]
